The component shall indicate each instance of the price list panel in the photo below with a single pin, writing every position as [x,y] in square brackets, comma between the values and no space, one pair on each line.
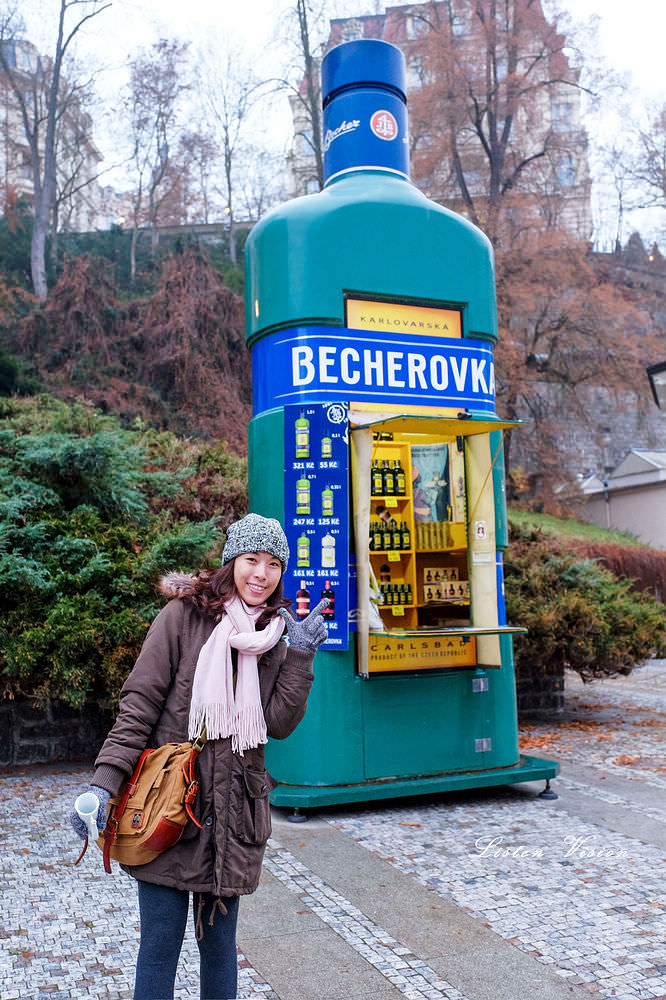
[316,506]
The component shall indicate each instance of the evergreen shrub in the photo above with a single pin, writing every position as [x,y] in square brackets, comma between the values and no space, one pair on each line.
[579,615]
[91,514]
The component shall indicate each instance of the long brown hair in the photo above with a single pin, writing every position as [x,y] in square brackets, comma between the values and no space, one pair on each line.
[213,588]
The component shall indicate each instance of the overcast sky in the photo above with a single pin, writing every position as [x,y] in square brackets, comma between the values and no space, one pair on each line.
[629,37]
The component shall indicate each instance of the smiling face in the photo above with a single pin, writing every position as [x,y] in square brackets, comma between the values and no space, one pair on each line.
[256,575]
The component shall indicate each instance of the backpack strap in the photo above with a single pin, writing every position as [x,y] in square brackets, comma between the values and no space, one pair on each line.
[191,782]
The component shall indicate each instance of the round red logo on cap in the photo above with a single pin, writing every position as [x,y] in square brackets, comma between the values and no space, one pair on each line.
[384,125]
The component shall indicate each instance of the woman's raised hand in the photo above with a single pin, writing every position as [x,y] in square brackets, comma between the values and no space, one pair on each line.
[308,633]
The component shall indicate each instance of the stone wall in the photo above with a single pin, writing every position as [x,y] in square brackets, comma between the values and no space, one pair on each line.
[32,736]
[539,697]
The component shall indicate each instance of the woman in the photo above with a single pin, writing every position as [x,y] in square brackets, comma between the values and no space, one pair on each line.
[212,656]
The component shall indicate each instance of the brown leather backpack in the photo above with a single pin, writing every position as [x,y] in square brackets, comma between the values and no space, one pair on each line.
[150,812]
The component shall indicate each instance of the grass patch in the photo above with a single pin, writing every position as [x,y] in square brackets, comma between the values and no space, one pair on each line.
[569,528]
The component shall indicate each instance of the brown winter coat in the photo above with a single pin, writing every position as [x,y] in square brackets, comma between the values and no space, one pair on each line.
[224,857]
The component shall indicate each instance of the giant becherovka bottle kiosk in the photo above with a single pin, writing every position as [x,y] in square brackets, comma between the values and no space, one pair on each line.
[371,320]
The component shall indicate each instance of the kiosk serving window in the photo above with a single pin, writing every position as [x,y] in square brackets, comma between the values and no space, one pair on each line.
[426,557]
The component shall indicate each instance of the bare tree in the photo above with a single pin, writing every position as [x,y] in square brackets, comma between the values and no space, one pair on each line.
[496,114]
[197,155]
[648,167]
[157,84]
[229,90]
[262,182]
[305,23]
[42,99]
[309,92]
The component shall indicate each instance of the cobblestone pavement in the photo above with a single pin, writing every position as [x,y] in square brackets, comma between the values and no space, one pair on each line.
[563,888]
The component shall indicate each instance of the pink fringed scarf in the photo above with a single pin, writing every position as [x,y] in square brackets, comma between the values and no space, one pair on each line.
[214,703]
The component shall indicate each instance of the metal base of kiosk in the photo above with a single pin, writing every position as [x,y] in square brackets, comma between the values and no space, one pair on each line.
[311,796]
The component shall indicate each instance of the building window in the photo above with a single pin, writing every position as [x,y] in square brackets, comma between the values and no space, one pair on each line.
[501,67]
[414,72]
[312,186]
[415,27]
[306,143]
[473,178]
[27,60]
[561,117]
[565,171]
[457,26]
[351,29]
[9,53]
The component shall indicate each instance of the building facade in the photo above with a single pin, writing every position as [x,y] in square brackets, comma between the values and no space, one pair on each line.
[78,202]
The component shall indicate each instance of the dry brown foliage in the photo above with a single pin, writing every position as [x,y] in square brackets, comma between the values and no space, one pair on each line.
[178,359]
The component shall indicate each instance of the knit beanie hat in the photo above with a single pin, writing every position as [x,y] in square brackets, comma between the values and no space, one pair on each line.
[254,533]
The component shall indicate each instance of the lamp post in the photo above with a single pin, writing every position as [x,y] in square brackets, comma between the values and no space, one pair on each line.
[657,377]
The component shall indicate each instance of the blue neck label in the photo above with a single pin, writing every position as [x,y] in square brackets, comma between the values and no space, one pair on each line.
[364,129]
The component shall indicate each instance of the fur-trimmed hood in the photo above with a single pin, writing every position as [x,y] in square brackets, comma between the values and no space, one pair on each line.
[177,584]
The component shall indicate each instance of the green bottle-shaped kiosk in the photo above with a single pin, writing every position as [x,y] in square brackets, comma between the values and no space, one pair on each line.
[371,314]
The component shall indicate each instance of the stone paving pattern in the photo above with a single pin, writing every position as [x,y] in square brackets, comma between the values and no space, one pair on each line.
[566,890]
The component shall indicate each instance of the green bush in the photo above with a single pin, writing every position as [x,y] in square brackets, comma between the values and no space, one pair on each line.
[91,515]
[579,615]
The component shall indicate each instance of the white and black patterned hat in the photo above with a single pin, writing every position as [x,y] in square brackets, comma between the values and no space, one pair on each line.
[254,533]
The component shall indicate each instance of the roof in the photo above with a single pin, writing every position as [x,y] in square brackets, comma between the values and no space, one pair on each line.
[638,462]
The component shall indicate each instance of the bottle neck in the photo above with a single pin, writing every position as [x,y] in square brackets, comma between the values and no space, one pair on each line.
[365,128]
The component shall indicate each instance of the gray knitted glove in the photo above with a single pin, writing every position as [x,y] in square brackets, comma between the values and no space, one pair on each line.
[78,825]
[309,633]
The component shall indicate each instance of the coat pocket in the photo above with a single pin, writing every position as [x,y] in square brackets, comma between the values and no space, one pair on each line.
[253,820]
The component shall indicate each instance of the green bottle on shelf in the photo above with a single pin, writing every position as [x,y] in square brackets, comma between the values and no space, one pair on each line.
[303,496]
[376,480]
[303,550]
[399,479]
[327,502]
[302,428]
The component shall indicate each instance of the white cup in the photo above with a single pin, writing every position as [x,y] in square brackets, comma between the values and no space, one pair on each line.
[87,807]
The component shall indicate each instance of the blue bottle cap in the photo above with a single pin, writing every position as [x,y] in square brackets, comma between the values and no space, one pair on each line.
[366,62]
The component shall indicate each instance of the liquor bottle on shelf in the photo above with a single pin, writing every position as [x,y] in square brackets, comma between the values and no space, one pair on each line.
[376,479]
[327,502]
[326,447]
[377,536]
[328,613]
[405,536]
[302,428]
[328,551]
[303,496]
[302,602]
[388,479]
[396,537]
[399,479]
[303,550]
